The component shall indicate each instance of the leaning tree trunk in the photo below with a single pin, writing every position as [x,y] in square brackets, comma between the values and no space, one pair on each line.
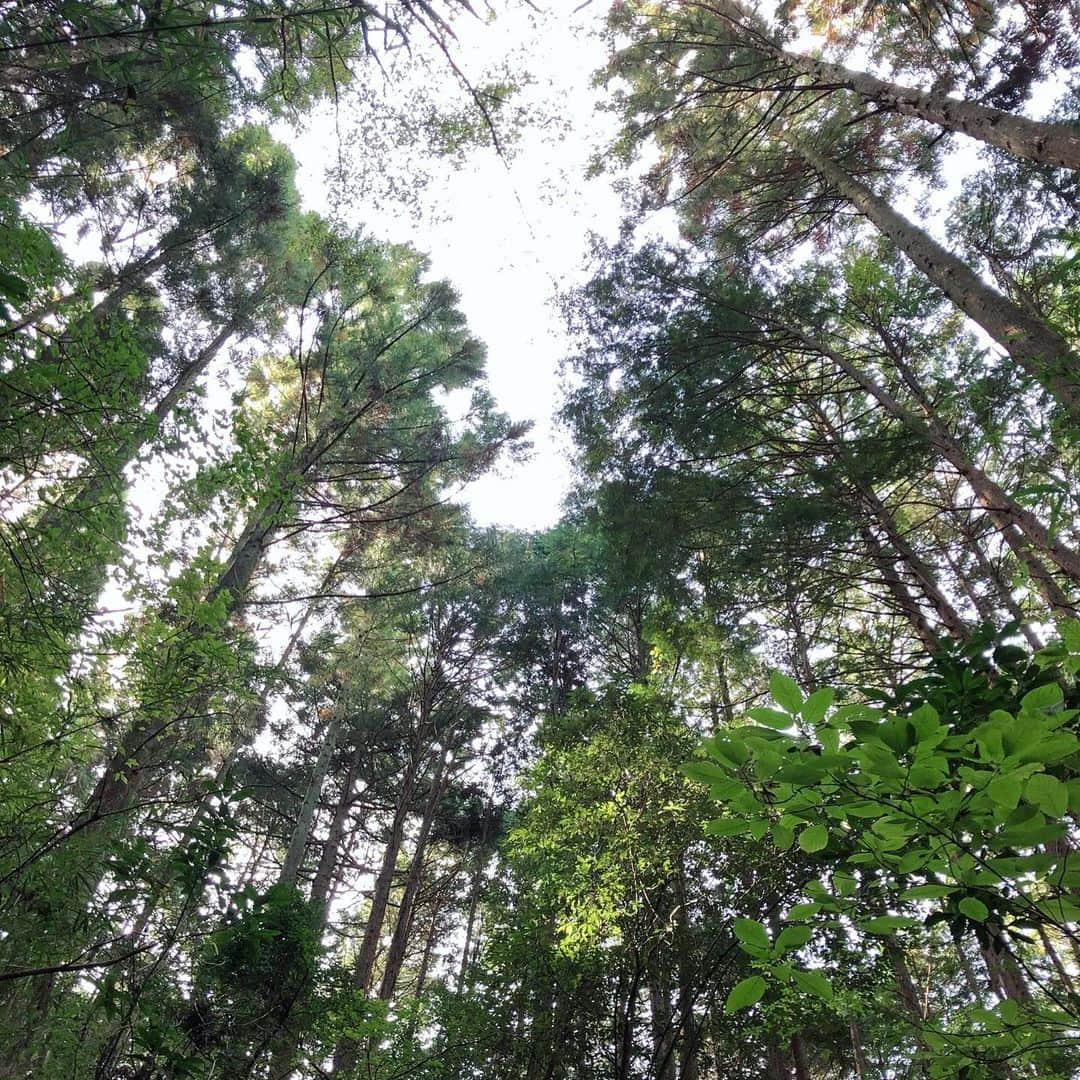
[1033,140]
[1003,968]
[1038,349]
[1005,511]
[916,565]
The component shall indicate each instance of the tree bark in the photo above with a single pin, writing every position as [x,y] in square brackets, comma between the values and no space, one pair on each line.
[1032,140]
[294,856]
[919,569]
[1004,510]
[900,592]
[323,881]
[799,1056]
[1004,969]
[395,955]
[1038,349]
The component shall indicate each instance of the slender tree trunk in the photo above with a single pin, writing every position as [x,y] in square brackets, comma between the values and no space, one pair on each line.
[858,1054]
[993,575]
[326,871]
[395,956]
[799,1056]
[919,569]
[904,600]
[1002,509]
[1038,349]
[1055,960]
[120,285]
[347,1051]
[660,1017]
[294,856]
[380,897]
[474,899]
[92,490]
[969,973]
[778,1066]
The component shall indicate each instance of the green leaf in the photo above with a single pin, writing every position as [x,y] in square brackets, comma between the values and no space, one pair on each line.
[792,937]
[926,892]
[1042,697]
[726,827]
[785,692]
[813,982]
[745,994]
[803,911]
[886,924]
[773,718]
[814,838]
[844,883]
[1048,793]
[974,908]
[782,836]
[817,704]
[1005,790]
[704,772]
[751,932]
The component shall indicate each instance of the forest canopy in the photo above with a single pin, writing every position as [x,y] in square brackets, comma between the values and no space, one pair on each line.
[762,761]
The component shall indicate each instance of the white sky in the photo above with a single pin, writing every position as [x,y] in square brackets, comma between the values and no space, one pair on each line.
[508,234]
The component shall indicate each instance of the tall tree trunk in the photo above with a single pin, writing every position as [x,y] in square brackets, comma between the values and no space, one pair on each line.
[395,955]
[90,491]
[858,1053]
[799,1056]
[993,576]
[347,1050]
[904,600]
[1038,349]
[1033,140]
[474,898]
[1004,510]
[326,871]
[1004,969]
[916,565]
[777,1063]
[294,856]
[689,1035]
[660,1018]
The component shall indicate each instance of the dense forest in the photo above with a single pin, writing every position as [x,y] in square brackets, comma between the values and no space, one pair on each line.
[762,762]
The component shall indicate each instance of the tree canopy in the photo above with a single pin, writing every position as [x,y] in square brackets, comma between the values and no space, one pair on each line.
[763,760]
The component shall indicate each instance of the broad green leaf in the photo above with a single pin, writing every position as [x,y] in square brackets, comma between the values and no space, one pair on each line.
[886,924]
[844,883]
[1042,697]
[785,692]
[792,937]
[745,994]
[1048,793]
[803,911]
[817,704]
[726,826]
[783,837]
[927,892]
[773,718]
[814,838]
[813,982]
[751,932]
[1005,790]
[974,908]
[704,772]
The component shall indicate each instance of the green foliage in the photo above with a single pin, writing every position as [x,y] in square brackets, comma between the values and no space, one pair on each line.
[945,803]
